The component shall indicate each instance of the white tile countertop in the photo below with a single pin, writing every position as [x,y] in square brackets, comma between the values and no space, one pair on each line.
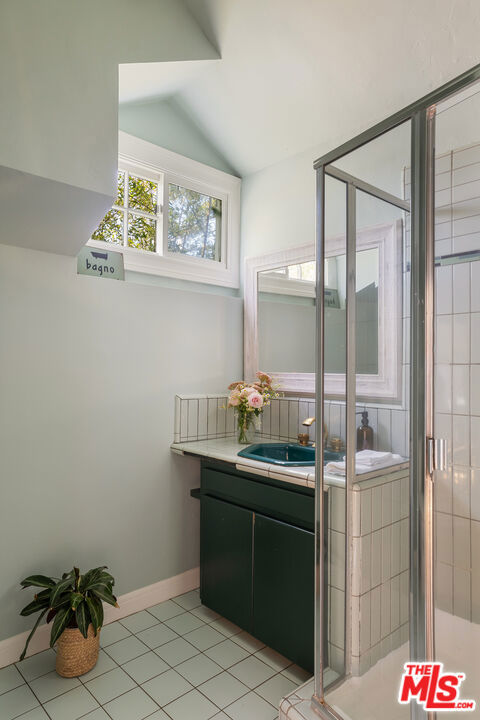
[227,449]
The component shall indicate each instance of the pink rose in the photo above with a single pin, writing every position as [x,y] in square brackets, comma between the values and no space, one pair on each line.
[234,398]
[255,400]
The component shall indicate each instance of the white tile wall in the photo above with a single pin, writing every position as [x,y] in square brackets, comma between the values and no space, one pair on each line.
[380,563]
[457,377]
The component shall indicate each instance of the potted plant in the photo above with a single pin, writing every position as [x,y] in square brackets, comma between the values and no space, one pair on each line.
[75,604]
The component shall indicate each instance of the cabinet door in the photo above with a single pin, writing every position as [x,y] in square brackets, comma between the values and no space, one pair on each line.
[283,581]
[226,537]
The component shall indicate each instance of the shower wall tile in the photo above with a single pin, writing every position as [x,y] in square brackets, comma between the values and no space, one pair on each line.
[380,561]
[461,491]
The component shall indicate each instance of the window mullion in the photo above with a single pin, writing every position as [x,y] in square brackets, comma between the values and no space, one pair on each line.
[125,211]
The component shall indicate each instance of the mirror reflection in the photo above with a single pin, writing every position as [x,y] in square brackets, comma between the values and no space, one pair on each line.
[286,315]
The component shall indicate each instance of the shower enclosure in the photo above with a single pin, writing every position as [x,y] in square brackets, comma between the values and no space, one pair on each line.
[399,207]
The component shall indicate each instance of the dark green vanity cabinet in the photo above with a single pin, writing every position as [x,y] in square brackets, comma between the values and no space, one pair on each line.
[257,557]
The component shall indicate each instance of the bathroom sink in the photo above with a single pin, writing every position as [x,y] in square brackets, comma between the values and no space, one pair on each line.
[288,454]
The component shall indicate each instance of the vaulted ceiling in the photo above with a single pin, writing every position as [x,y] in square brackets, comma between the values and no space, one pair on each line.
[309,73]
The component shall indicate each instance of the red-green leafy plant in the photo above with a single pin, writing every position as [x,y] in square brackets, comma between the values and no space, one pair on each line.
[72,601]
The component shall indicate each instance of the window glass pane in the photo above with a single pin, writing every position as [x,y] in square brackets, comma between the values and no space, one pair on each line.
[194,223]
[111,228]
[142,232]
[142,194]
[120,188]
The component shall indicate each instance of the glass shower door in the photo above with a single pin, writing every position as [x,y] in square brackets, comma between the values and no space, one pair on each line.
[457,389]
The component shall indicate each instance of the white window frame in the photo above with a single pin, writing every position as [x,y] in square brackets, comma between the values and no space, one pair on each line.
[156,163]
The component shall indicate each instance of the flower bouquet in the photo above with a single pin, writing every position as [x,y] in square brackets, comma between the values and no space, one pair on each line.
[248,400]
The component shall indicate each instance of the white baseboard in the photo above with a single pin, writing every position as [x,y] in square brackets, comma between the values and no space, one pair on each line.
[132,602]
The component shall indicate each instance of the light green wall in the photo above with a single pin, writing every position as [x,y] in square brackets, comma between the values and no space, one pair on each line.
[59,79]
[89,370]
[163,122]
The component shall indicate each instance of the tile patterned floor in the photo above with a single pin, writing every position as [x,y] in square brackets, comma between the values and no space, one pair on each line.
[175,661]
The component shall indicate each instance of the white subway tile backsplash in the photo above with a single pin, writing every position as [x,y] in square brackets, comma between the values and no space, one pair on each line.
[275,419]
[284,426]
[183,419]
[192,419]
[384,430]
[212,417]
[203,418]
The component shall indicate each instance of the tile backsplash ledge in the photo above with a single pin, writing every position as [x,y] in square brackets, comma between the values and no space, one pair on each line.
[205,417]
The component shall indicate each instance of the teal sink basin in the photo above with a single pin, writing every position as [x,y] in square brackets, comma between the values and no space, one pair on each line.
[288,454]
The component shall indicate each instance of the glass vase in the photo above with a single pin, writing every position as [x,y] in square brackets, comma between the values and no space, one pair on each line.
[248,425]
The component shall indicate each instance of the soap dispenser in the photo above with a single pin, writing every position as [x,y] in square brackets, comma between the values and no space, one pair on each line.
[364,433]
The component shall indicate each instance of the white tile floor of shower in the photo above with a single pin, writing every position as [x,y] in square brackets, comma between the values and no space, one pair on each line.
[175,661]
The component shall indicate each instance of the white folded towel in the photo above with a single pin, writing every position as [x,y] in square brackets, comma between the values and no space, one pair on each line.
[361,467]
[372,457]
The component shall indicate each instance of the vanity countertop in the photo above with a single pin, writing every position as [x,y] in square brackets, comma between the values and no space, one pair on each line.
[227,449]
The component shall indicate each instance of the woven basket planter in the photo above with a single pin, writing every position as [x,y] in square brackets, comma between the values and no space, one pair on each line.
[76,655]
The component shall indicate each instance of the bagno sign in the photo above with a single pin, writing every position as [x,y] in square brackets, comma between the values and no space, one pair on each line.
[100,263]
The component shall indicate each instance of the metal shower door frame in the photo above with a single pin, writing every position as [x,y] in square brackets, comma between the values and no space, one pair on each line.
[421,615]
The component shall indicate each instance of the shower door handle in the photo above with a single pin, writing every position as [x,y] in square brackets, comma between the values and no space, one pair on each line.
[436,454]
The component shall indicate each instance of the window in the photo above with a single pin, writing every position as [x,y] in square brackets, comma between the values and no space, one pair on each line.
[173,216]
[194,223]
[135,218]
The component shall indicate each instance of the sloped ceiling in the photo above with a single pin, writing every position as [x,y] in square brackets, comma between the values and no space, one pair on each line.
[312,73]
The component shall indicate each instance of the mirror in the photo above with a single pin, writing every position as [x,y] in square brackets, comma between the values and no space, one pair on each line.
[280,315]
[286,308]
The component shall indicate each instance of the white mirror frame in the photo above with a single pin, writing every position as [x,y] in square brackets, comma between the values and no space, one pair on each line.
[386,385]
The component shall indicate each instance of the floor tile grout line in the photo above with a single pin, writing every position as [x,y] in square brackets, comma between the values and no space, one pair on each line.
[222,670]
